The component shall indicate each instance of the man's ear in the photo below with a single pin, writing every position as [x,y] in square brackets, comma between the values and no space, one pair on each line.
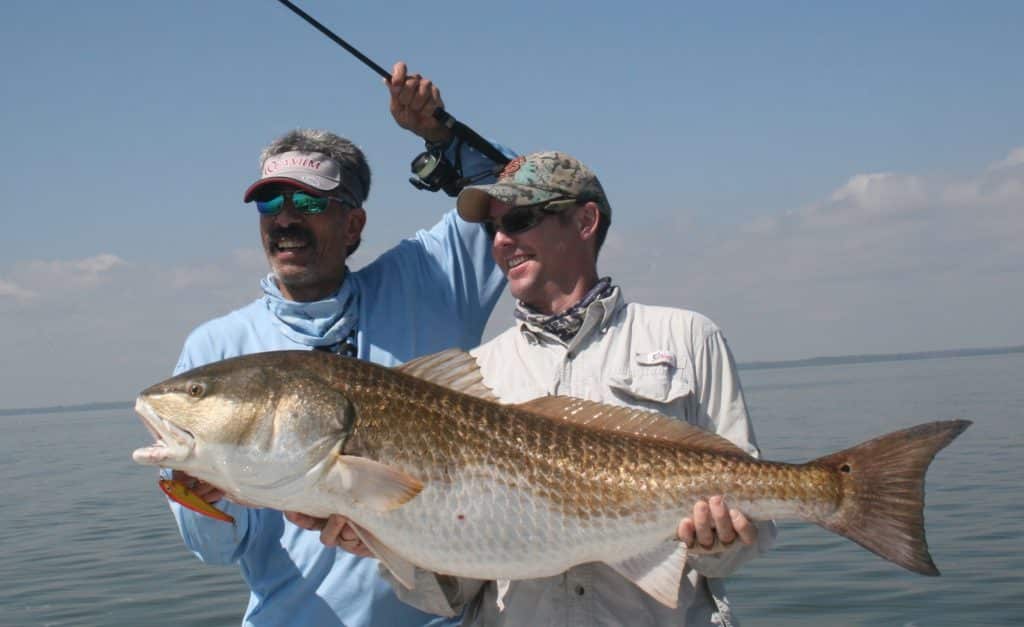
[355,220]
[588,217]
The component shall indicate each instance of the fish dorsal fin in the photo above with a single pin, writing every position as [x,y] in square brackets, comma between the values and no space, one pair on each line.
[629,420]
[452,368]
[657,572]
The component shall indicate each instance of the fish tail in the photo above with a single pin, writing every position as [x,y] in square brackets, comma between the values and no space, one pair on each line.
[882,502]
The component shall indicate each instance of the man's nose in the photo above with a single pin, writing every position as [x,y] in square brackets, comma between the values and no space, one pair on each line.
[288,214]
[501,238]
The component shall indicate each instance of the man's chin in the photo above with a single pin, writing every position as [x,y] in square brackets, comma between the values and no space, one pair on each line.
[288,275]
[521,290]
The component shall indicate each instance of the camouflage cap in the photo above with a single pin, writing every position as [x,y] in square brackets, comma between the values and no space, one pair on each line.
[535,178]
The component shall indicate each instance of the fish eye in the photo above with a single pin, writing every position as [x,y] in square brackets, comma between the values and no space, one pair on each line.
[196,389]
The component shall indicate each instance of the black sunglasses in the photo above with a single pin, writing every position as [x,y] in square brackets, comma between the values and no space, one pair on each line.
[523,218]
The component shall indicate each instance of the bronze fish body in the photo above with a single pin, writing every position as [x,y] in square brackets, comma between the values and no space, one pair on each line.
[437,474]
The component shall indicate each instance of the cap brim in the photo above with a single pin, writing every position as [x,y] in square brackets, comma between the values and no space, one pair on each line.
[316,191]
[474,203]
[249,193]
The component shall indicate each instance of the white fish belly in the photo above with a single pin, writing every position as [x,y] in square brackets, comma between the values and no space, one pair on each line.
[486,529]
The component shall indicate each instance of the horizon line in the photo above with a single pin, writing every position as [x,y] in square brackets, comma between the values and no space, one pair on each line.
[832,360]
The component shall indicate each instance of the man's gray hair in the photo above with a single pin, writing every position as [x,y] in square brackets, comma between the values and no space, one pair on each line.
[355,170]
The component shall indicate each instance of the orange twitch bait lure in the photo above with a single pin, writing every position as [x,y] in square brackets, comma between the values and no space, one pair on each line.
[179,493]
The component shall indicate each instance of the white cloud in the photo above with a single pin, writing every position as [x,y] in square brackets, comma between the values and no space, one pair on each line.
[49,275]
[13,291]
[1012,160]
[887,262]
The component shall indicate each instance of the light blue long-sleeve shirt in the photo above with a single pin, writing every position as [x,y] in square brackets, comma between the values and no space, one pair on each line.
[431,292]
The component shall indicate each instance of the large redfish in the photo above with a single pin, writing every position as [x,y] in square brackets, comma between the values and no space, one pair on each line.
[439,475]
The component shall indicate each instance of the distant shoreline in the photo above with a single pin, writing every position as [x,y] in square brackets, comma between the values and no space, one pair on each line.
[58,409]
[873,358]
[753,365]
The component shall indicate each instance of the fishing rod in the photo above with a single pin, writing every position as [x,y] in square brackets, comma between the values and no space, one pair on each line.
[431,170]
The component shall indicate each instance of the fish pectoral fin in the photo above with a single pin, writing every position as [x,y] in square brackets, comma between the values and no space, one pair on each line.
[402,569]
[375,485]
[657,572]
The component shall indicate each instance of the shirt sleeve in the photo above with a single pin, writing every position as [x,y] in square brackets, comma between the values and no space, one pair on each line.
[457,254]
[721,409]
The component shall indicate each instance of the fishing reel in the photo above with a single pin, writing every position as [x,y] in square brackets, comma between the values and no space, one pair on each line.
[431,171]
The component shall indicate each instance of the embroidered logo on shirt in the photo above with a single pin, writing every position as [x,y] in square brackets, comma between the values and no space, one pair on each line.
[656,358]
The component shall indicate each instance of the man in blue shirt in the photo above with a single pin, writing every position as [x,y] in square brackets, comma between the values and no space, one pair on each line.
[432,291]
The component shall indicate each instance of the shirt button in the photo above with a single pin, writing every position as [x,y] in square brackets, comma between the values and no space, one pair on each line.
[579,590]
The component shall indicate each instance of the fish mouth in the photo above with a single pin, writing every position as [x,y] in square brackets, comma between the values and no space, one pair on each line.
[171,442]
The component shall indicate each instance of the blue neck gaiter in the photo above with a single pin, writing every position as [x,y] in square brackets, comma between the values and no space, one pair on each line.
[318,323]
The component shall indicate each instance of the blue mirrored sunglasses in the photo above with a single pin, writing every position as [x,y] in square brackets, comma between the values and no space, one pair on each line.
[272,202]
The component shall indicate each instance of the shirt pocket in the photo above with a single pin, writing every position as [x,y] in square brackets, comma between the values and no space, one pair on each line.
[652,381]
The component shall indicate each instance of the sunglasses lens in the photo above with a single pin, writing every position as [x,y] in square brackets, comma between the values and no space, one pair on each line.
[309,204]
[272,203]
[520,219]
[270,206]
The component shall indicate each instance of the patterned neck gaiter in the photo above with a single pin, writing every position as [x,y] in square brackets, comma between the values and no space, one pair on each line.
[567,324]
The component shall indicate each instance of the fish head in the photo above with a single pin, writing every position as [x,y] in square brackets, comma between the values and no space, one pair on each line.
[254,421]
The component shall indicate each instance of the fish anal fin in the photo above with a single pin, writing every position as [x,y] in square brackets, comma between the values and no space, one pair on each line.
[657,572]
[373,484]
[629,420]
[454,369]
[403,570]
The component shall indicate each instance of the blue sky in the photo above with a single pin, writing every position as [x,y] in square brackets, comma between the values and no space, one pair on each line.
[818,179]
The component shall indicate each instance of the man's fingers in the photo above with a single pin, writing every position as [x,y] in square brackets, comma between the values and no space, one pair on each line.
[702,524]
[421,96]
[436,98]
[686,533]
[206,491]
[406,92]
[398,72]
[186,479]
[722,520]
[348,534]
[309,523]
[745,529]
[332,530]
[713,520]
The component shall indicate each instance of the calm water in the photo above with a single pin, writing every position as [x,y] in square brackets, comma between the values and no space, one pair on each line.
[86,538]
